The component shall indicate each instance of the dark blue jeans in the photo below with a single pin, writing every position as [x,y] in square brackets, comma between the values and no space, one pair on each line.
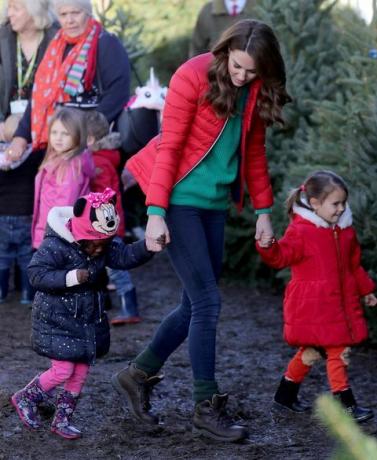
[15,241]
[195,251]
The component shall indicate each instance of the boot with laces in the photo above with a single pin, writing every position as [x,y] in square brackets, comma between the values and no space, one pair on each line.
[136,386]
[61,424]
[211,420]
[347,399]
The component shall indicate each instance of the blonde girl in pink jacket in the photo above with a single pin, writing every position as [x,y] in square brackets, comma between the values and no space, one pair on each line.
[65,172]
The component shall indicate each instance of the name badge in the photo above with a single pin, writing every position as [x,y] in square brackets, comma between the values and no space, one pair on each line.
[18,107]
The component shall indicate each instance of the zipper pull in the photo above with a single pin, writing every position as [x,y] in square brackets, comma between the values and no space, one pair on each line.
[100,307]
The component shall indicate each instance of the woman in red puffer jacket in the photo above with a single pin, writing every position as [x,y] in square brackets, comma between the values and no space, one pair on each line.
[212,143]
[322,310]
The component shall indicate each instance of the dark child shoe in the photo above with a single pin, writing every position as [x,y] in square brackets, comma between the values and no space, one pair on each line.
[61,424]
[4,284]
[119,320]
[27,291]
[358,413]
[25,402]
[211,420]
[286,397]
[135,385]
[128,312]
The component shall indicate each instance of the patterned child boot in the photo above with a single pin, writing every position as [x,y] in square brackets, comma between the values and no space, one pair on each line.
[65,406]
[25,402]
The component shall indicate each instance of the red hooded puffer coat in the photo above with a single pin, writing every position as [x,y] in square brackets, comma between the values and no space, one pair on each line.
[190,127]
[322,299]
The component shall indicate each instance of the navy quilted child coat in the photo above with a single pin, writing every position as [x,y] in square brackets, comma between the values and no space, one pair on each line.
[69,323]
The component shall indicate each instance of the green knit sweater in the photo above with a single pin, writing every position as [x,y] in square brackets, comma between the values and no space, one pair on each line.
[207,186]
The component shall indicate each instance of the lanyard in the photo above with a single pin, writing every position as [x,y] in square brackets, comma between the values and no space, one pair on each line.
[22,80]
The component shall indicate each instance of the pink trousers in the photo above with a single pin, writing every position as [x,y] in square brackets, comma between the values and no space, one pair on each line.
[73,375]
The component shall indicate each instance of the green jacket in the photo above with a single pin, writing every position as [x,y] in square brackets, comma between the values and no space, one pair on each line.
[213,19]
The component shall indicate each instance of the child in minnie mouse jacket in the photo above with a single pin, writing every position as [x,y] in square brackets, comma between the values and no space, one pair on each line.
[69,324]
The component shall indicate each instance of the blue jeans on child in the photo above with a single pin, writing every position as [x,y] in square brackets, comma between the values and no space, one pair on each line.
[15,241]
[121,279]
[125,290]
[15,246]
[196,252]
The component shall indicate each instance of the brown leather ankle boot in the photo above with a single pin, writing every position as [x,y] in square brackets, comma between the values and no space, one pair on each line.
[135,385]
[211,420]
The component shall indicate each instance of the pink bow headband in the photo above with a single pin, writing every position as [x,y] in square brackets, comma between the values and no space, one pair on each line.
[97,199]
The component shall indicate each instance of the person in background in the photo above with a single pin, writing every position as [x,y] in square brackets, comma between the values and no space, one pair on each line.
[27,27]
[84,67]
[323,315]
[212,143]
[104,147]
[66,170]
[69,324]
[10,126]
[216,16]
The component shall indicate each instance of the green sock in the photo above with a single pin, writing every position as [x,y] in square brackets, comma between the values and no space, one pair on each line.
[148,362]
[204,389]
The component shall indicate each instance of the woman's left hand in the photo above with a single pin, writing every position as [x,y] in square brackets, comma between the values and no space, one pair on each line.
[264,233]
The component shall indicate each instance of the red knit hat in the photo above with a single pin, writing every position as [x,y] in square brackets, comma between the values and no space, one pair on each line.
[95,216]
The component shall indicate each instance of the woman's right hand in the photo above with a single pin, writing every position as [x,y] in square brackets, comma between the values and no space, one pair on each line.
[157,234]
[16,148]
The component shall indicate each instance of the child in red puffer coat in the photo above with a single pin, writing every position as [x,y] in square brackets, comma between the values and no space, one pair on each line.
[323,315]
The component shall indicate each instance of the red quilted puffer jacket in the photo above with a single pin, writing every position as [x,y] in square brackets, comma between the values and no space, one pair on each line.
[190,128]
[322,299]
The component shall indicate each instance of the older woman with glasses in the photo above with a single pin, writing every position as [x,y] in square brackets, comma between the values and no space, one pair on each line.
[84,67]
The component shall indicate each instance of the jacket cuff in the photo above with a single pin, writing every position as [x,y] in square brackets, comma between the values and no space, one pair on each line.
[258,212]
[71,278]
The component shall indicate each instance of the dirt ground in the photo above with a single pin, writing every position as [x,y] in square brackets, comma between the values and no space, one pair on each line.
[251,357]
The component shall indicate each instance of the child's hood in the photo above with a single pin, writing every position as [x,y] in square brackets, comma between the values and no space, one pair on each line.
[57,220]
[111,141]
[307,214]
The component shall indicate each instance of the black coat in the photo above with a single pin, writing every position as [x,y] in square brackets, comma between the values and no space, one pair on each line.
[111,85]
[69,323]
[8,61]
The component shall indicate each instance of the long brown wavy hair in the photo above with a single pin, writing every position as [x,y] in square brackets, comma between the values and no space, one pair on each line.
[259,41]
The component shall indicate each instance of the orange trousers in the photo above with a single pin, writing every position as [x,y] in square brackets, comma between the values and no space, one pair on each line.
[336,365]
